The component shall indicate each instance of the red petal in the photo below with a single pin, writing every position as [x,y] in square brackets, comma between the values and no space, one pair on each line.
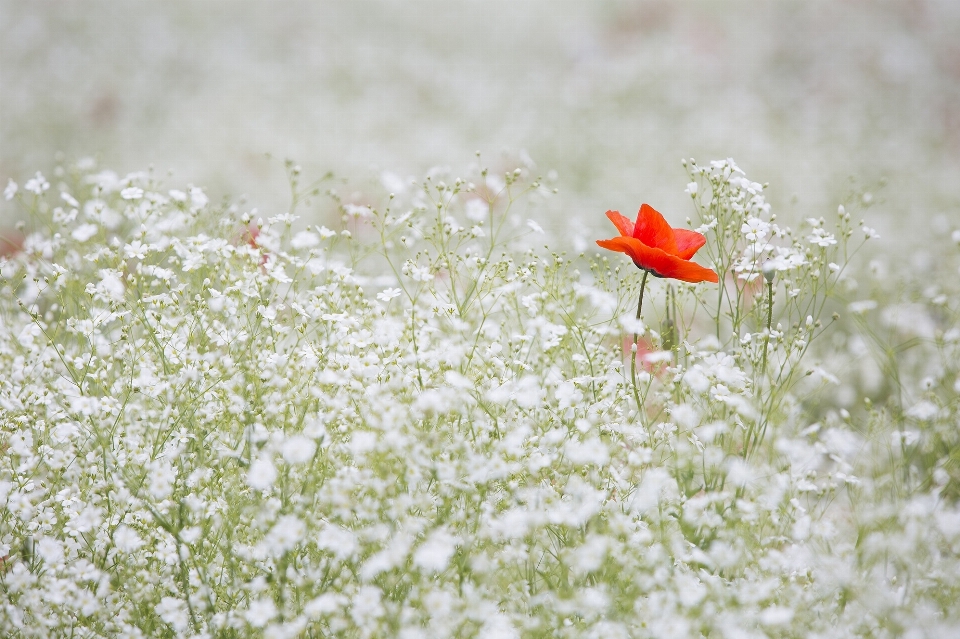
[688,242]
[653,230]
[659,262]
[619,244]
[623,224]
[687,271]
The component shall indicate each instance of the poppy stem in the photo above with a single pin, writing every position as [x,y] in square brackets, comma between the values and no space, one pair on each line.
[636,346]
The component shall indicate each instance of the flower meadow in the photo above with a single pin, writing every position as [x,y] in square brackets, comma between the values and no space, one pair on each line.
[427,418]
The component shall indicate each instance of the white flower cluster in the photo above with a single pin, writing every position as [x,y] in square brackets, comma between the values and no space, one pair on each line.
[213,429]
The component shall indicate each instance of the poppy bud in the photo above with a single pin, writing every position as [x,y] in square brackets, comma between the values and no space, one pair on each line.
[769,271]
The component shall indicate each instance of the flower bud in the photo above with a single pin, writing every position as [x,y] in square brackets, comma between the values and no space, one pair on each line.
[769,271]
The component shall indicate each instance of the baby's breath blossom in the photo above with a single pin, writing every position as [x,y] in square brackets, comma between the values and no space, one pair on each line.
[36,185]
[305,239]
[10,190]
[126,539]
[388,294]
[755,229]
[262,474]
[131,193]
[174,612]
[260,612]
[435,553]
[862,306]
[821,238]
[357,210]
[298,449]
[84,232]
[285,534]
[412,430]
[198,199]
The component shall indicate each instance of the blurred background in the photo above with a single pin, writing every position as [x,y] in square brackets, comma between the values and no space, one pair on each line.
[610,95]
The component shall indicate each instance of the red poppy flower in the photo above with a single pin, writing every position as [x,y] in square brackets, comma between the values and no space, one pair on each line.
[657,248]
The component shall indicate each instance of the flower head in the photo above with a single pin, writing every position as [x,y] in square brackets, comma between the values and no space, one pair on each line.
[655,246]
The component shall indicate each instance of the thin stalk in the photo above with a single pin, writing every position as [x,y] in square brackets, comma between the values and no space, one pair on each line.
[636,347]
[766,341]
[416,352]
[757,435]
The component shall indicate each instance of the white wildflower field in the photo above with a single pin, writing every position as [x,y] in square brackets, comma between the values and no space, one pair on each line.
[430,418]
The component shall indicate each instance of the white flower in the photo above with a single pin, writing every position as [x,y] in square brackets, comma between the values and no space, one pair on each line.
[821,238]
[692,189]
[755,229]
[923,411]
[269,313]
[284,218]
[568,395]
[583,453]
[262,474]
[324,605]
[126,539]
[50,550]
[131,193]
[418,273]
[298,449]
[871,234]
[339,541]
[536,227]
[388,294]
[198,199]
[776,616]
[434,554]
[162,475]
[861,306]
[174,612]
[551,334]
[84,232]
[589,557]
[111,286]
[285,534]
[11,190]
[35,185]
[190,534]
[498,626]
[366,605]
[260,612]
[357,210]
[136,249]
[177,195]
[739,472]
[305,239]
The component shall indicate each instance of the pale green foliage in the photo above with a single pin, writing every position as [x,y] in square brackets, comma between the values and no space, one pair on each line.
[420,423]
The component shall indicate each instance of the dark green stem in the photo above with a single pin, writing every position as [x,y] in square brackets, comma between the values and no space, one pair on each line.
[636,348]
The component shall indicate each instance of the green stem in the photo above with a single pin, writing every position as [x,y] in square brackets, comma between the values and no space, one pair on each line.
[754,437]
[766,341]
[636,348]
